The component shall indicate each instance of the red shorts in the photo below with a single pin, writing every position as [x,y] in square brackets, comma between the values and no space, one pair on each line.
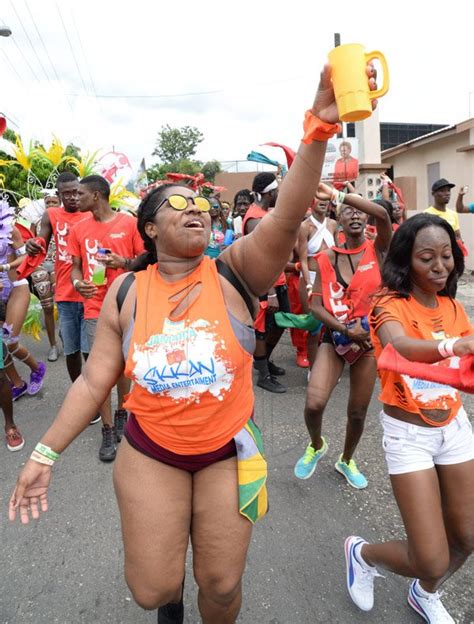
[137,438]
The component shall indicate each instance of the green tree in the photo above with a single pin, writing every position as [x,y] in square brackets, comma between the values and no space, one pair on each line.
[159,171]
[175,148]
[16,178]
[210,169]
[176,144]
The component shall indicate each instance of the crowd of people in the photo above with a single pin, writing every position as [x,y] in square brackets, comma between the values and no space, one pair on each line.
[176,308]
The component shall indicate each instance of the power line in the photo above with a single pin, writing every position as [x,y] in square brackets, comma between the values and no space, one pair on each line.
[71,48]
[12,67]
[29,41]
[10,119]
[168,95]
[190,94]
[48,56]
[85,58]
[26,60]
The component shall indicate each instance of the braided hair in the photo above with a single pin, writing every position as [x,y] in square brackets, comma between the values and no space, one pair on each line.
[145,215]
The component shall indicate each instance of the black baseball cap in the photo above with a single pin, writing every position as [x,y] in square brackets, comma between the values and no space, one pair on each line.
[441,184]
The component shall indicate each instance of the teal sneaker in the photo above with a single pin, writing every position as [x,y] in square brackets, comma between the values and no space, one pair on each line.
[307,464]
[353,475]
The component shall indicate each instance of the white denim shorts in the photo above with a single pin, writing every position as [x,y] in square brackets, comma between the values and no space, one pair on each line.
[409,448]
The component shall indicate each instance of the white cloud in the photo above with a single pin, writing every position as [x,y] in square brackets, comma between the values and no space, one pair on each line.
[262,60]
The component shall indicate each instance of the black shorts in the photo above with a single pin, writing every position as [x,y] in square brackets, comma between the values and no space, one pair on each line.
[326,337]
[283,305]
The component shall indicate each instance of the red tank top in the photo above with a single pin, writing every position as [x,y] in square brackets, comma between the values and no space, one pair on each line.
[256,212]
[355,300]
[192,390]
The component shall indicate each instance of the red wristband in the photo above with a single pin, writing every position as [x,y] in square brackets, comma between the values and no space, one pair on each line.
[297,266]
[317,130]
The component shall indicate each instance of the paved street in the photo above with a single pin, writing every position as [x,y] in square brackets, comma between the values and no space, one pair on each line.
[67,568]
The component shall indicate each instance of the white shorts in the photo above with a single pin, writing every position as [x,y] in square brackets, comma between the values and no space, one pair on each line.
[409,448]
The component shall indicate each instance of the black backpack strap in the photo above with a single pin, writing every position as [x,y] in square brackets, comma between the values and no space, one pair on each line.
[226,272]
[123,290]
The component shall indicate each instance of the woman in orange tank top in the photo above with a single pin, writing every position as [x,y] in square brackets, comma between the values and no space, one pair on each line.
[186,362]
[427,440]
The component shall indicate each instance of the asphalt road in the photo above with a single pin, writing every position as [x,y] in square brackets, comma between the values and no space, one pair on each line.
[68,568]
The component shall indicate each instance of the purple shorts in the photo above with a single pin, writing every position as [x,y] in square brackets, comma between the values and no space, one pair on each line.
[137,438]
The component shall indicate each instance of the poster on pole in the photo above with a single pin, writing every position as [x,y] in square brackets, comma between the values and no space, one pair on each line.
[341,162]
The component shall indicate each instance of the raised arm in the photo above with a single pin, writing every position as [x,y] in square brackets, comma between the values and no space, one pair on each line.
[460,207]
[259,257]
[382,219]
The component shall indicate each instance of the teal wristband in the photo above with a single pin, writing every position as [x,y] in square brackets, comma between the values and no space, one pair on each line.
[471,208]
[47,452]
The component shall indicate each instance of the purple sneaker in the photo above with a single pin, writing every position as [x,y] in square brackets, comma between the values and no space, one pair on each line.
[36,379]
[18,392]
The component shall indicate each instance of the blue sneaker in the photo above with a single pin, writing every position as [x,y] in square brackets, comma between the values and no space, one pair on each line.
[307,464]
[429,606]
[359,574]
[18,392]
[353,475]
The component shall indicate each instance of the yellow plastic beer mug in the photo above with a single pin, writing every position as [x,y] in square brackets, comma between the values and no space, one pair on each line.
[350,81]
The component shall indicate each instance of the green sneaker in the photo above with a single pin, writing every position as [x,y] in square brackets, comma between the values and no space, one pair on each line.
[353,475]
[306,465]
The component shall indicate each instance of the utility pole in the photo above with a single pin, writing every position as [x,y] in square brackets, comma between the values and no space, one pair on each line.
[337,42]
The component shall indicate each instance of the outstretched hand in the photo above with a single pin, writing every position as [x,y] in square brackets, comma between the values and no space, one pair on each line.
[30,492]
[324,105]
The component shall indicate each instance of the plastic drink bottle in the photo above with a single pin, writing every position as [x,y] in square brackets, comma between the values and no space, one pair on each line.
[229,237]
[98,273]
[341,339]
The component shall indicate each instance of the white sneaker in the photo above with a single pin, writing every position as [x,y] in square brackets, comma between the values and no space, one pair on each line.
[359,575]
[429,606]
[53,354]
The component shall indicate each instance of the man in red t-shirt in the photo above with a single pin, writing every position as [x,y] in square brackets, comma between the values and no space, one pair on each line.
[102,248]
[57,222]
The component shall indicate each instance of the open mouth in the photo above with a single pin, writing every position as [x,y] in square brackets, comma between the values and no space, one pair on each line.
[195,224]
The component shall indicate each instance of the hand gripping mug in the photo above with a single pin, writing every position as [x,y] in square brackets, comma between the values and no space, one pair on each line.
[350,81]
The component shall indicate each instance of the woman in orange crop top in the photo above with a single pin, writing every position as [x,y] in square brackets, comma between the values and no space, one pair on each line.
[428,439]
[347,276]
[190,368]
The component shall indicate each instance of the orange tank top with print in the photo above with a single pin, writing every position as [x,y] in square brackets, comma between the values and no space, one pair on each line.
[447,320]
[192,390]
